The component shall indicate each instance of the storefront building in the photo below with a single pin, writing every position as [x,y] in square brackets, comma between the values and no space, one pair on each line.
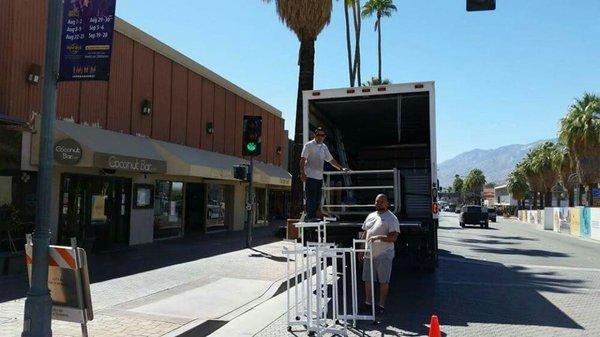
[146,156]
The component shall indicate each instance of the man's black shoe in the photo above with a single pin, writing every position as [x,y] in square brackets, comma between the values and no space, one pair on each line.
[379,310]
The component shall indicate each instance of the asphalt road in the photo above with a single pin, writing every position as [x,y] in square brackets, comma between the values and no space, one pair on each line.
[511,279]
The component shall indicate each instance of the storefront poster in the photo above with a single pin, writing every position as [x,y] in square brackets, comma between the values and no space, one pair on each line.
[565,219]
[595,223]
[585,223]
[575,214]
[86,41]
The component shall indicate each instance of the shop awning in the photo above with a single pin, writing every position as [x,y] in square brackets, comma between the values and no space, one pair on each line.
[105,149]
[188,161]
[272,175]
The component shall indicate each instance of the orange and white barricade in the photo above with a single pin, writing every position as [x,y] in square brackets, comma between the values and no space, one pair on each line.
[68,282]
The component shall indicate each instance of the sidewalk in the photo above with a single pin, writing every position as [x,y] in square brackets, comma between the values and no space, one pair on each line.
[157,289]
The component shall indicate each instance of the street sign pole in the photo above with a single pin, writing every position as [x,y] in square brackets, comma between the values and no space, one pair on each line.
[38,305]
[250,204]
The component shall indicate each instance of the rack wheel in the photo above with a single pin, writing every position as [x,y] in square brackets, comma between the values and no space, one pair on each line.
[289,328]
[337,321]
[297,318]
[311,333]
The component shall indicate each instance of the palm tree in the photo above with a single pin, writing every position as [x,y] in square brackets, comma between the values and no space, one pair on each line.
[533,178]
[580,132]
[517,185]
[545,163]
[377,81]
[457,185]
[474,184]
[348,3]
[381,8]
[306,19]
[353,65]
[565,174]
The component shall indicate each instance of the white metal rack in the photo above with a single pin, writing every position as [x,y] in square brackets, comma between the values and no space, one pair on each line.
[315,277]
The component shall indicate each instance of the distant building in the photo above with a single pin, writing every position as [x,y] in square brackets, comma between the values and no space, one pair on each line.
[488,197]
[502,197]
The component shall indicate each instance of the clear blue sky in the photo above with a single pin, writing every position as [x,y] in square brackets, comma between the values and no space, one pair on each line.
[502,77]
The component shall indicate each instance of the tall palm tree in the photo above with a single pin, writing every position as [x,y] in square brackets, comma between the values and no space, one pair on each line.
[356,70]
[580,132]
[474,183]
[545,162]
[306,19]
[381,8]
[565,174]
[457,185]
[349,3]
[353,65]
[517,185]
[533,178]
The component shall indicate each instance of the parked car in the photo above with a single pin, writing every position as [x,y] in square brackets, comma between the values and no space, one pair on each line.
[491,214]
[474,215]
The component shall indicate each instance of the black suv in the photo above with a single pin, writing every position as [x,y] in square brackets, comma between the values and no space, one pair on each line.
[492,214]
[474,215]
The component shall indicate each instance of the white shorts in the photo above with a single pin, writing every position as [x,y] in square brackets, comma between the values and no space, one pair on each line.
[382,271]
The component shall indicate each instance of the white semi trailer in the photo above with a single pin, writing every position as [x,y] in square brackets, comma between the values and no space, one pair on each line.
[386,135]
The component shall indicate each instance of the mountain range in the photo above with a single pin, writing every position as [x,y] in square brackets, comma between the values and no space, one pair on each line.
[496,164]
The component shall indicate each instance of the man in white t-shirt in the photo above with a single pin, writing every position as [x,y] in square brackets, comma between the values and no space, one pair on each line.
[314,154]
[382,229]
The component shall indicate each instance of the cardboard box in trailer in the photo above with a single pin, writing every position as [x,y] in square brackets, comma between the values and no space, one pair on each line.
[386,135]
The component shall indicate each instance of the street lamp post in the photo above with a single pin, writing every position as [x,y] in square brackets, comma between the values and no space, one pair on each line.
[38,305]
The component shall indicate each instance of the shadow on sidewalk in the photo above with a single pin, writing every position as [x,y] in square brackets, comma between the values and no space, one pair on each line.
[464,291]
[138,259]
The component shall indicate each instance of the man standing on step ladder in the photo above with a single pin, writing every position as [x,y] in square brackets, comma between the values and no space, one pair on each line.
[314,154]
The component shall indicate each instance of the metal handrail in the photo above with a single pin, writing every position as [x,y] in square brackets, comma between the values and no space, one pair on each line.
[358,172]
[326,188]
[357,188]
[355,205]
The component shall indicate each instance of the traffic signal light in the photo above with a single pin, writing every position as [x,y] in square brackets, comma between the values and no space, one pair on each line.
[252,132]
[481,5]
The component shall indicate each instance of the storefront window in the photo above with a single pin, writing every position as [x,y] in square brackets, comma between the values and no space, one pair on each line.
[260,195]
[168,209]
[217,207]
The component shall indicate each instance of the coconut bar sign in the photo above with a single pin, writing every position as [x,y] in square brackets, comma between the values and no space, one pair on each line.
[67,152]
[132,164]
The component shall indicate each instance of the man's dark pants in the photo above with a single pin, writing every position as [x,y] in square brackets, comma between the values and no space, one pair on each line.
[313,196]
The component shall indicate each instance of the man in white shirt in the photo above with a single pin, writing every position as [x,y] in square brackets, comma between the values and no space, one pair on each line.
[382,229]
[314,154]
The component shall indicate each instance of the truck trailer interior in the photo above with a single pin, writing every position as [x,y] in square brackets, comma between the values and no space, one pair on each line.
[381,132]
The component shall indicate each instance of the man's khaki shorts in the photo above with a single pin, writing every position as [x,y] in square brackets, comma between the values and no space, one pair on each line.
[382,271]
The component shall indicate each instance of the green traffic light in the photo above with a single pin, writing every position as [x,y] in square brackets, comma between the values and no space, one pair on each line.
[251,146]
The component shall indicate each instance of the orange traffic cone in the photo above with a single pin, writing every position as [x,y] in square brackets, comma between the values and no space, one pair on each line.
[434,327]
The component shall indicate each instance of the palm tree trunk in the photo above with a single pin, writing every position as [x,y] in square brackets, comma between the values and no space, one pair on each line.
[548,195]
[349,45]
[379,45]
[357,29]
[305,82]
[589,194]
[534,204]
[571,192]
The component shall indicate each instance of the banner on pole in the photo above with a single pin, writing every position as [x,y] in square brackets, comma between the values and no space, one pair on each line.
[86,40]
